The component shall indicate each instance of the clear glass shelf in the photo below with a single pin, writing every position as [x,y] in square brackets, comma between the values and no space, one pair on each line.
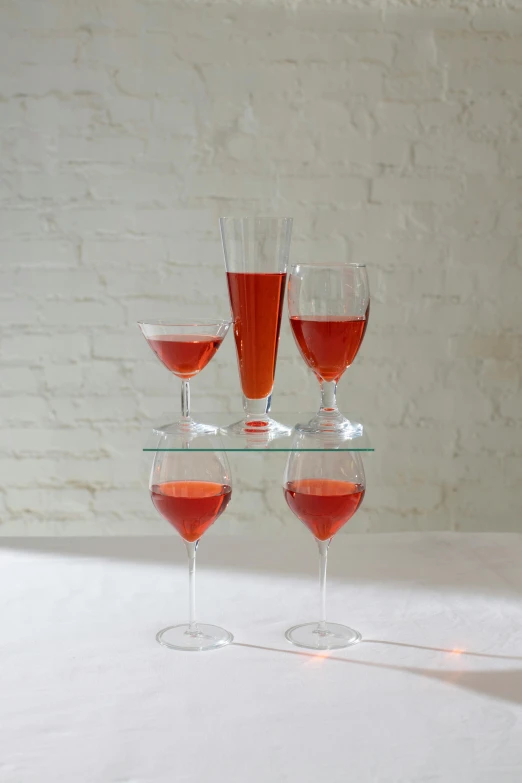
[256,441]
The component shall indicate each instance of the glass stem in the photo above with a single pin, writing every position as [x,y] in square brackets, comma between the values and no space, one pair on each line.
[328,396]
[191,552]
[257,408]
[323,557]
[185,400]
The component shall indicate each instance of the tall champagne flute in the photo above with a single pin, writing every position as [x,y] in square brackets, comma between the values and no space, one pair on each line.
[185,348]
[191,489]
[256,251]
[323,489]
[329,307]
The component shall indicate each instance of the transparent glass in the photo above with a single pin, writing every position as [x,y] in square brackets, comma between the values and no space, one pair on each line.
[249,441]
[329,307]
[324,490]
[185,348]
[191,489]
[256,251]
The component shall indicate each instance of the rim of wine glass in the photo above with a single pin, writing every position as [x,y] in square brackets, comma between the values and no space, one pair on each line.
[188,322]
[329,266]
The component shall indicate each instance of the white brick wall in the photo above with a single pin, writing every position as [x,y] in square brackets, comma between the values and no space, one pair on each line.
[390,130]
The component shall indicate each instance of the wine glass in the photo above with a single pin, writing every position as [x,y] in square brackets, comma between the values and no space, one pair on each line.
[324,489]
[256,251]
[191,489]
[185,348]
[329,308]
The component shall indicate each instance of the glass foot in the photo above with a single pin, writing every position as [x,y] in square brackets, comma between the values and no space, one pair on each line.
[332,423]
[205,637]
[263,425]
[187,427]
[332,637]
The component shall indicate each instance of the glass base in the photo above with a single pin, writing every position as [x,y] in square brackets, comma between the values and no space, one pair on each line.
[205,637]
[187,427]
[332,637]
[263,425]
[332,423]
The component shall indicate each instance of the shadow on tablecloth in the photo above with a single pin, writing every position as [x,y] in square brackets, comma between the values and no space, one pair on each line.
[505,684]
[484,563]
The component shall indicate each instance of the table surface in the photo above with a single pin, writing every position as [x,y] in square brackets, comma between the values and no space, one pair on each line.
[433,693]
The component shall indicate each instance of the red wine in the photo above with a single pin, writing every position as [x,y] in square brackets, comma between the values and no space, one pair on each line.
[328,343]
[191,506]
[185,354]
[323,505]
[257,302]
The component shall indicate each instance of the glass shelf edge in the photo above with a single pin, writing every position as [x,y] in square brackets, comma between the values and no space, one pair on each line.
[248,450]
[235,444]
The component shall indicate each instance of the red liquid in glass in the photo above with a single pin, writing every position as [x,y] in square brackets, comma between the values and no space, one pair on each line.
[191,506]
[323,505]
[185,354]
[257,302]
[329,344]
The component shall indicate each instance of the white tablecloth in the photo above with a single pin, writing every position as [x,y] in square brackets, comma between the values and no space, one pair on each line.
[433,693]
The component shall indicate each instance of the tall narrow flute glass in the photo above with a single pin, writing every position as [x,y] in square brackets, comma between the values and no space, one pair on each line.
[329,307]
[185,348]
[256,251]
[191,489]
[323,490]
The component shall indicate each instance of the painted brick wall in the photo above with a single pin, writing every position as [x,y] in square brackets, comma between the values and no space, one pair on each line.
[391,131]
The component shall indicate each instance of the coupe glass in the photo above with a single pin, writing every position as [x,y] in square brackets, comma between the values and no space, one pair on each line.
[256,253]
[329,308]
[191,489]
[324,490]
[185,348]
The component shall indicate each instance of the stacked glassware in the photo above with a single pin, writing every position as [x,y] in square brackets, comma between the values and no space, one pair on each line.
[324,481]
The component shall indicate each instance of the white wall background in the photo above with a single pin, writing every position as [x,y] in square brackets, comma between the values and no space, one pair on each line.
[391,131]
